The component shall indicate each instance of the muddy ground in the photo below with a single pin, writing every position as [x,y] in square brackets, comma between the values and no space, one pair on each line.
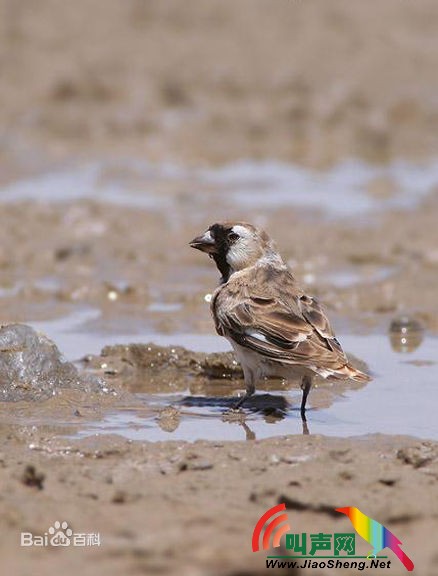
[197,84]
[95,256]
[212,81]
[172,508]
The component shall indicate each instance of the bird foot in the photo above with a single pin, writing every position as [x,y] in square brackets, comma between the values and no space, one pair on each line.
[234,415]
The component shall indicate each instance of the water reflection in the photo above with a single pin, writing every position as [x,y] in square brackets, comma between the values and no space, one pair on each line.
[202,410]
[271,408]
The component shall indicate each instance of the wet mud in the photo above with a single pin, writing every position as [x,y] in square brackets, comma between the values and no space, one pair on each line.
[148,501]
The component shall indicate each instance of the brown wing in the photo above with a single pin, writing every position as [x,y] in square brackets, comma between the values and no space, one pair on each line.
[289,328]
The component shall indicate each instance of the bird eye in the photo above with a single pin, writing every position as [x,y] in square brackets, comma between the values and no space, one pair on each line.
[233,236]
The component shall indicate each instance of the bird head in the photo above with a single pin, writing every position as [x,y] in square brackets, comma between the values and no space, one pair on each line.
[235,246]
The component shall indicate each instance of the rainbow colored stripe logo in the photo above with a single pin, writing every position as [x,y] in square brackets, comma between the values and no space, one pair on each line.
[274,524]
[376,534]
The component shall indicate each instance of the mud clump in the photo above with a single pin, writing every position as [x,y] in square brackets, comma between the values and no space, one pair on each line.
[423,454]
[141,367]
[32,367]
[152,369]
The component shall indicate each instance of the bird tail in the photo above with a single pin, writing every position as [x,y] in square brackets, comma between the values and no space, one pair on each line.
[404,558]
[349,371]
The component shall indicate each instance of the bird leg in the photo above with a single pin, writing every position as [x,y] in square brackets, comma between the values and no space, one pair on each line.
[306,384]
[305,427]
[250,388]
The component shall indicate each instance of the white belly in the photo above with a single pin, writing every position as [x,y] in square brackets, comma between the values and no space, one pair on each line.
[262,367]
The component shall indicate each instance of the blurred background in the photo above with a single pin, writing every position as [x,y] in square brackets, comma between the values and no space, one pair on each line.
[209,82]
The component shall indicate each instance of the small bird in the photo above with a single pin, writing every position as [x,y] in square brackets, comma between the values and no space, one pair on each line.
[274,327]
[377,535]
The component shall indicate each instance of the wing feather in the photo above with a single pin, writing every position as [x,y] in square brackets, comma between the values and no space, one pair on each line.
[286,326]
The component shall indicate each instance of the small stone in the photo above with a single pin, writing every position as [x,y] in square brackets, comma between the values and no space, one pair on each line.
[294,459]
[197,465]
[388,480]
[123,497]
[346,475]
[119,497]
[418,456]
[32,478]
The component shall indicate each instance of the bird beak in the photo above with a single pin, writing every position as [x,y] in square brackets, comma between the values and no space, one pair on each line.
[205,243]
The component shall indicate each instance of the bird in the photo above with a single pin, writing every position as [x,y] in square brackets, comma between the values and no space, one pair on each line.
[377,535]
[274,327]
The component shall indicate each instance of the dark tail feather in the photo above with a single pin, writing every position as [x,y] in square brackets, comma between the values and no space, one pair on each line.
[404,558]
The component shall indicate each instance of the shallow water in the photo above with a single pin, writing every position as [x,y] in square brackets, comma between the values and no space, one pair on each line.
[347,277]
[392,403]
[343,190]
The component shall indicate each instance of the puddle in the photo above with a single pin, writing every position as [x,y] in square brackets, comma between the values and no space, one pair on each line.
[347,189]
[82,333]
[340,191]
[392,403]
[10,290]
[348,277]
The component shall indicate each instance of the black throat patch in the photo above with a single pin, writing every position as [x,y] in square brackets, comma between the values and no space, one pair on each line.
[220,235]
